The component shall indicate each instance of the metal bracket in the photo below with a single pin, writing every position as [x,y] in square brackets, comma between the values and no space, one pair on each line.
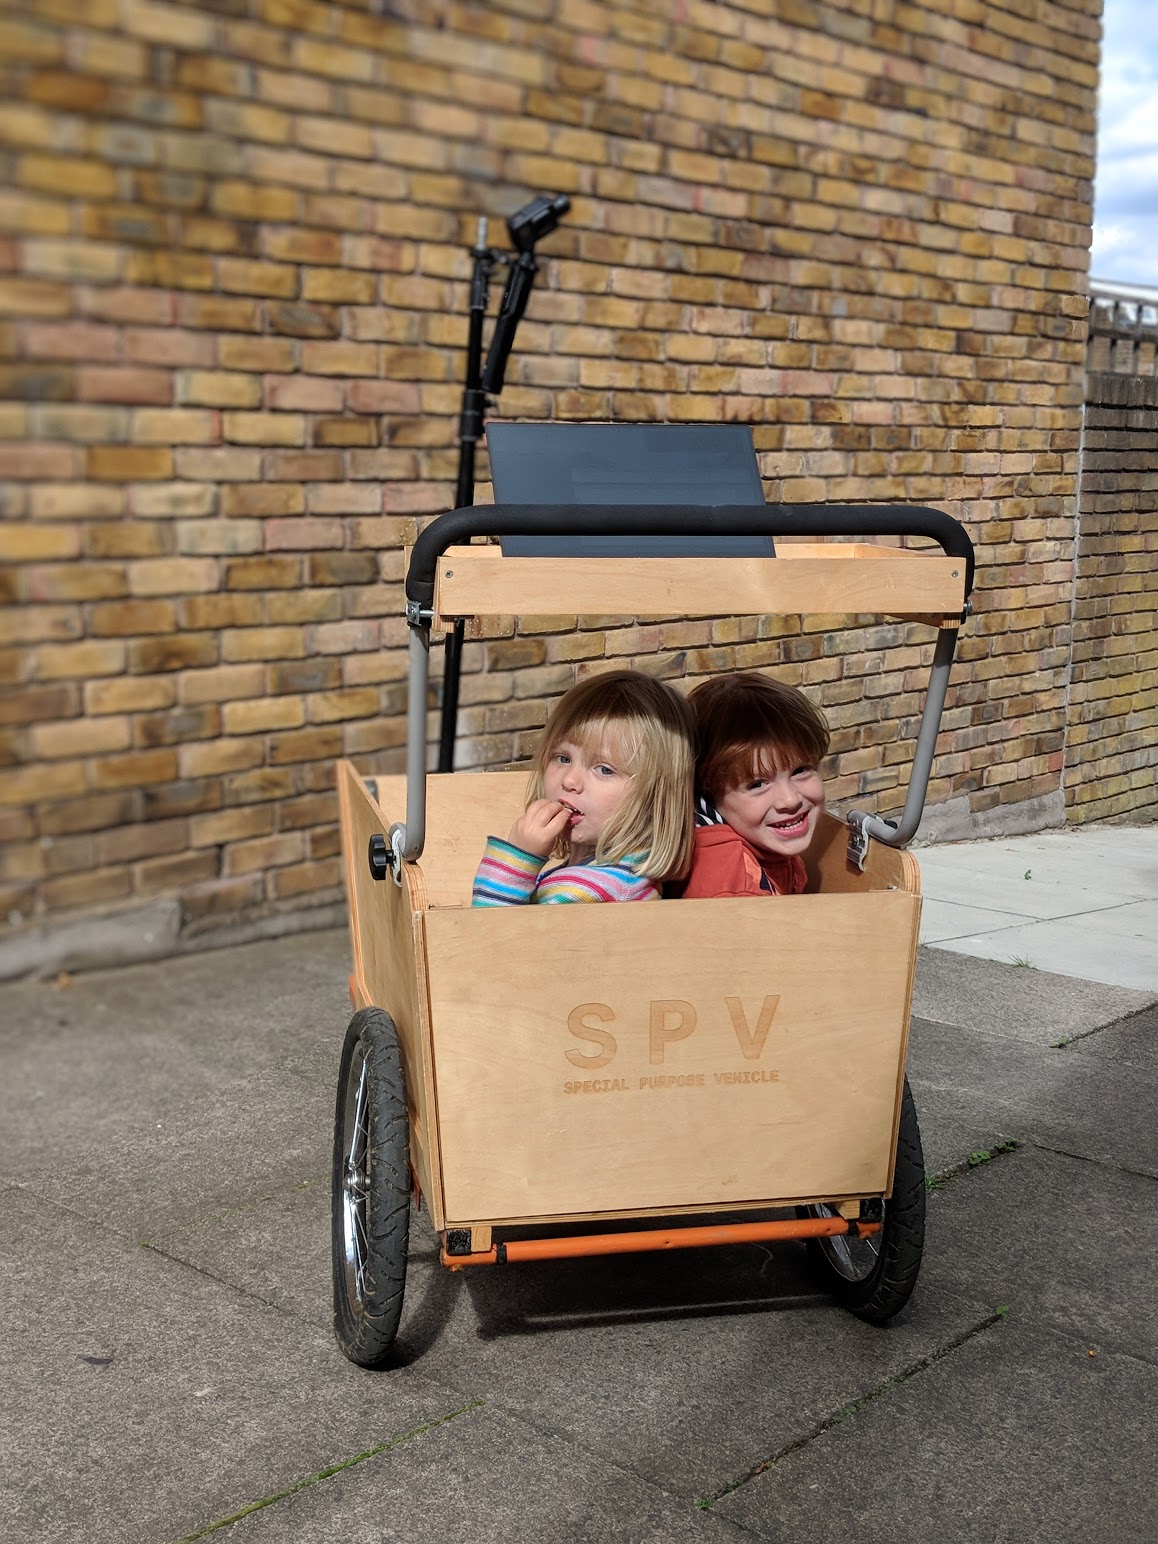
[858,841]
[397,840]
[418,615]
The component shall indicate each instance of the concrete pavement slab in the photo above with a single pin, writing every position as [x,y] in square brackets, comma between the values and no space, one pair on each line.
[943,920]
[1052,874]
[142,1399]
[669,1357]
[490,1479]
[154,1094]
[1133,918]
[682,1360]
[955,1118]
[1034,1006]
[1064,1098]
[1018,1434]
[1073,1243]
[1130,1039]
[230,1011]
[1104,946]
[1082,902]
[163,1157]
[275,1246]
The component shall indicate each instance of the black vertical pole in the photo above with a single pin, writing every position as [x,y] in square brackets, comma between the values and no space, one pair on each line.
[469,433]
[526,226]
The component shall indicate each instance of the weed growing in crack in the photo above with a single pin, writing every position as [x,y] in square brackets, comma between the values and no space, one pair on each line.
[984,1154]
[981,1155]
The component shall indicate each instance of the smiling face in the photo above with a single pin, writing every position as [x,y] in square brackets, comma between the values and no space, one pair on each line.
[592,783]
[776,809]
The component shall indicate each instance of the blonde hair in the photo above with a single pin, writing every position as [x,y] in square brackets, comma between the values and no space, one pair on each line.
[652,727]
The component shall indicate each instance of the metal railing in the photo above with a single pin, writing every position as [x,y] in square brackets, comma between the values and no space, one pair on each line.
[1123,332]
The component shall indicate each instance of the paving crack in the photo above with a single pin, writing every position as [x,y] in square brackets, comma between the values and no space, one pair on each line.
[220,1281]
[1099,1029]
[327,1473]
[1105,1343]
[976,1159]
[826,1423]
[597,1457]
[1101,1163]
[236,1211]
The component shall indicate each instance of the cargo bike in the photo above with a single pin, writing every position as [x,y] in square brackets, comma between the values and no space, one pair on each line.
[569,1081]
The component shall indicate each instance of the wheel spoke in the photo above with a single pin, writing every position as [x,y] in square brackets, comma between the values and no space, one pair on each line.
[852,1258]
[355,1184]
[360,1255]
[360,1134]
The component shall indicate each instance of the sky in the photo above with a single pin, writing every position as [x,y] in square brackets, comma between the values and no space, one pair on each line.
[1125,246]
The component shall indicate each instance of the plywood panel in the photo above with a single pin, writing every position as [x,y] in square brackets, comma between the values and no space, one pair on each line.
[805,577]
[462,810]
[682,1053]
[389,967]
[830,872]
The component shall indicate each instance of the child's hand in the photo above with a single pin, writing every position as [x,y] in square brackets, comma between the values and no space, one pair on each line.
[540,826]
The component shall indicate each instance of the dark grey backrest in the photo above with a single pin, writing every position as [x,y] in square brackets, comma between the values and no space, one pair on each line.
[554,463]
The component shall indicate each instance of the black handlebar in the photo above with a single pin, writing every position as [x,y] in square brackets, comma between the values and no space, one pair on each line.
[459,525]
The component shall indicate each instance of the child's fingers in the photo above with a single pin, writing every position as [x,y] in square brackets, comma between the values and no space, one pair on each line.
[540,825]
[547,815]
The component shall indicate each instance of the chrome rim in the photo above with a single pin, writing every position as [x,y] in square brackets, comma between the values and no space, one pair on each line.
[356,1177]
[853,1258]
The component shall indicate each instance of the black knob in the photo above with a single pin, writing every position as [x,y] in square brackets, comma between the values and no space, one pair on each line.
[379,857]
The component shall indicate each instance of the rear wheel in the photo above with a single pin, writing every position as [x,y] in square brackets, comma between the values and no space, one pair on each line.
[875,1276]
[371,1189]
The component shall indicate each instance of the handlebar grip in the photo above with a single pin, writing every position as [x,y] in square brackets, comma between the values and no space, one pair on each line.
[459,525]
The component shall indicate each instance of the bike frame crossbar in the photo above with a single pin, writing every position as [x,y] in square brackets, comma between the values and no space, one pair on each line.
[654,1239]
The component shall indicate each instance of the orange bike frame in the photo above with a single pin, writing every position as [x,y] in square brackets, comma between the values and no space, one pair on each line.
[661,1238]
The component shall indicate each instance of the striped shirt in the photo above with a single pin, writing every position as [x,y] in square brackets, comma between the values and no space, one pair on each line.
[508,876]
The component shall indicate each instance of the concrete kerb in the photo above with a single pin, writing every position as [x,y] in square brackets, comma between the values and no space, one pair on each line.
[140,933]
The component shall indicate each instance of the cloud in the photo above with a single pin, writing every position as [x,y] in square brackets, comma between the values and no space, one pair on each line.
[1125,244]
[1134,132]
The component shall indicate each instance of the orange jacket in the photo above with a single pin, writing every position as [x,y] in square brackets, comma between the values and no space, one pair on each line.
[725,864]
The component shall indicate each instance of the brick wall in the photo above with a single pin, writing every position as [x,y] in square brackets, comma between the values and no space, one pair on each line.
[232,312]
[1112,719]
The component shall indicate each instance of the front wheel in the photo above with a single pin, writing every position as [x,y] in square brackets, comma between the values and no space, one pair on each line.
[875,1276]
[371,1189]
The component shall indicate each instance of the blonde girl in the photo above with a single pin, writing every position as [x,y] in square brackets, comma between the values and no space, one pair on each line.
[610,795]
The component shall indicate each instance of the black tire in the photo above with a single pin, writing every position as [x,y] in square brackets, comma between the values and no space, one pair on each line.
[874,1277]
[371,1190]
